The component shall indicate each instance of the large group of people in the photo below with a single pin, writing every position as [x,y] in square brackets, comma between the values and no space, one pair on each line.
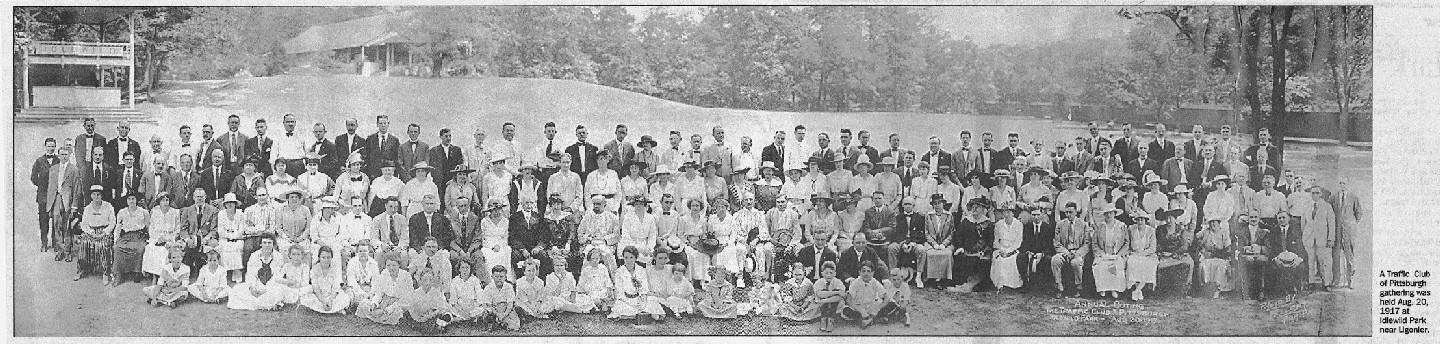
[497,231]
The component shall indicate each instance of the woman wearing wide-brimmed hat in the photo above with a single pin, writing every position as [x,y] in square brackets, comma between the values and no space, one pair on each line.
[970,244]
[690,185]
[974,188]
[767,189]
[164,232]
[1002,192]
[1073,191]
[419,187]
[647,155]
[821,221]
[1215,255]
[716,187]
[1005,262]
[1142,261]
[94,236]
[1035,186]
[1220,202]
[1110,239]
[230,224]
[1154,198]
[937,255]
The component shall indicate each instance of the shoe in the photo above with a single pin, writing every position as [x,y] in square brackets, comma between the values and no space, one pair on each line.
[59,256]
[69,258]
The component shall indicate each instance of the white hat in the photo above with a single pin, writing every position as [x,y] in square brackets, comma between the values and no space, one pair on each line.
[663,169]
[230,197]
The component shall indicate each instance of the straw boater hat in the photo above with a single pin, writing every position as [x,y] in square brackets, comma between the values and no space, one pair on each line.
[766,164]
[354,158]
[462,169]
[423,166]
[528,167]
[1002,173]
[640,199]
[229,198]
[1151,177]
[1071,175]
[662,169]
[1141,215]
[646,139]
[1180,189]
[1288,259]
[497,158]
[794,166]
[887,161]
[1220,177]
[97,188]
[1070,207]
[313,158]
[820,197]
[329,202]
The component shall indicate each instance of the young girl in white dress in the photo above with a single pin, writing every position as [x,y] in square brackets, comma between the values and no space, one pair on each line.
[170,289]
[325,294]
[632,289]
[261,289]
[210,285]
[530,291]
[595,283]
[680,298]
[360,272]
[383,303]
[294,277]
[464,293]
[564,295]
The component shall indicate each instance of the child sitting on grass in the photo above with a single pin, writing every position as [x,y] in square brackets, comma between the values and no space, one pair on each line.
[530,291]
[383,304]
[563,295]
[464,293]
[501,295]
[897,297]
[170,288]
[210,286]
[829,294]
[595,284]
[718,301]
[680,294]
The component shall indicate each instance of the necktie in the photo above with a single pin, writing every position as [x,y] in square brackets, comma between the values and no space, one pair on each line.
[232,143]
[412,148]
[550,148]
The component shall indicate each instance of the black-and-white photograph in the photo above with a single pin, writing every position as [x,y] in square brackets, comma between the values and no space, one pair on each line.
[692,171]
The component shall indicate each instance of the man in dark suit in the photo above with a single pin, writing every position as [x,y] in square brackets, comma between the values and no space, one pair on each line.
[346,143]
[1272,155]
[116,148]
[1285,236]
[258,148]
[97,172]
[1038,244]
[826,154]
[621,152]
[1141,162]
[40,178]
[1197,139]
[158,178]
[444,157]
[1178,170]
[937,157]
[86,143]
[987,160]
[430,223]
[216,180]
[233,143]
[1012,151]
[324,148]
[1162,148]
[859,252]
[815,254]
[1128,145]
[1092,143]
[1251,241]
[1105,162]
[382,146]
[864,149]
[775,152]
[528,234]
[201,154]
[413,151]
[906,236]
[186,180]
[582,153]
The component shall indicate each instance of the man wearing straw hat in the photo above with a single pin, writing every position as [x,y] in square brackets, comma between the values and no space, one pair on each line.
[1253,259]
[1286,248]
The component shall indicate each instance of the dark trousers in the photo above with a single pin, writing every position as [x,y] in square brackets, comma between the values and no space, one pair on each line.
[44,219]
[1252,274]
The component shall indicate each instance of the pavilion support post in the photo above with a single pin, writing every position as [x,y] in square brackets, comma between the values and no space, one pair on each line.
[130,74]
[389,50]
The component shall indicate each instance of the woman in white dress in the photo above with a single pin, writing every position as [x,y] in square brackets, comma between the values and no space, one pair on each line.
[164,229]
[325,294]
[1215,255]
[280,183]
[360,272]
[637,228]
[726,229]
[922,186]
[1110,241]
[1009,231]
[1142,261]
[230,224]
[210,285]
[261,289]
[632,289]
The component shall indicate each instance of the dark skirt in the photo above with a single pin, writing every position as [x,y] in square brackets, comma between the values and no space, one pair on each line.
[967,266]
[130,251]
[377,207]
[96,251]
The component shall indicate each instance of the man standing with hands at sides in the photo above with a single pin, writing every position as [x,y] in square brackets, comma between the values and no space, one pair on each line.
[121,144]
[1178,170]
[845,151]
[290,148]
[675,155]
[798,150]
[478,156]
[937,157]
[346,144]
[1262,143]
[1197,140]
[259,148]
[621,152]
[86,143]
[40,178]
[1319,234]
[718,152]
[184,146]
[322,147]
[1128,146]
[1349,210]
[543,155]
[381,146]
[864,149]
[1072,244]
[582,153]
[775,151]
[1162,148]
[507,147]
[444,157]
[413,151]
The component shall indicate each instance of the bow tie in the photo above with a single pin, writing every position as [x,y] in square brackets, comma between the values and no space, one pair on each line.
[289,134]
[356,179]
[667,213]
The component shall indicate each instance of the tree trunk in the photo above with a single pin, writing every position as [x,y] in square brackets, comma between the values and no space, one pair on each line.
[1251,55]
[1279,33]
[1237,99]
